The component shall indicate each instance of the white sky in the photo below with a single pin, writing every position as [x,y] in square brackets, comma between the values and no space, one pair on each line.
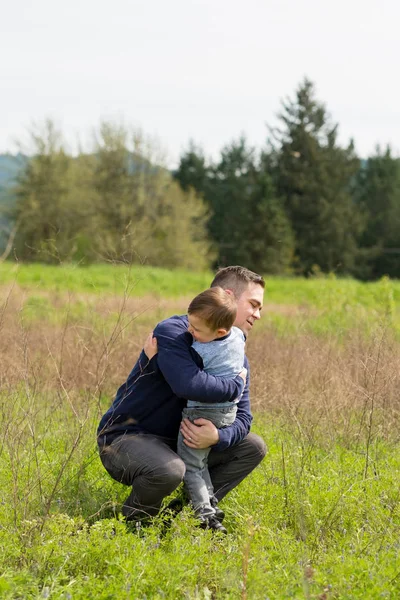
[202,69]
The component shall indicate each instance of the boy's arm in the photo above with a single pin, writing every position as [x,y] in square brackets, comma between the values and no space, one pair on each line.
[184,377]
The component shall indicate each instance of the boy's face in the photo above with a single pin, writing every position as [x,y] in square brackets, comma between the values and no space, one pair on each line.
[201,331]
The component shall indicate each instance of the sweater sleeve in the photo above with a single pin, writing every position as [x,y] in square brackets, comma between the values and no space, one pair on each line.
[184,376]
[235,433]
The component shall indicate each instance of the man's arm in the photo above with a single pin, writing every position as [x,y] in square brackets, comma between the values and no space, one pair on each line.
[203,433]
[184,377]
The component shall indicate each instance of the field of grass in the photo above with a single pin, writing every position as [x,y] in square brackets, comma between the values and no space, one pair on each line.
[318,519]
[333,305]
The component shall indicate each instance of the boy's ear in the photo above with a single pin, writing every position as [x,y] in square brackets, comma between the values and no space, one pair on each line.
[221,332]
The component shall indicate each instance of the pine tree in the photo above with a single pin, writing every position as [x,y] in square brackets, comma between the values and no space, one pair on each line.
[378,195]
[193,171]
[247,223]
[270,240]
[313,175]
[234,178]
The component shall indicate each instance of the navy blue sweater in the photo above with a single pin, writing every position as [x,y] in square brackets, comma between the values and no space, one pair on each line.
[152,398]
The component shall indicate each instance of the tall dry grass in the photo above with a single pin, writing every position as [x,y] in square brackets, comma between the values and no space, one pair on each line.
[338,387]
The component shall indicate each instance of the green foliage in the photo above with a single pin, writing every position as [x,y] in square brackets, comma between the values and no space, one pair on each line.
[306,522]
[247,222]
[112,204]
[144,215]
[42,195]
[269,241]
[378,195]
[303,205]
[193,171]
[313,175]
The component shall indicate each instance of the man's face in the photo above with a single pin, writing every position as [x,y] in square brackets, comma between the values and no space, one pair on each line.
[249,307]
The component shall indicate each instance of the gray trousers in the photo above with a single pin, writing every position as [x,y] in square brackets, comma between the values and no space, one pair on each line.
[197,478]
[152,467]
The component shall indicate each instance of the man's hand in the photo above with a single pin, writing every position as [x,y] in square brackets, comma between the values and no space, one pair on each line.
[150,346]
[200,434]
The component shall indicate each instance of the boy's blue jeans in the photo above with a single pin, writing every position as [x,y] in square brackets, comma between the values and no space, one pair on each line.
[197,477]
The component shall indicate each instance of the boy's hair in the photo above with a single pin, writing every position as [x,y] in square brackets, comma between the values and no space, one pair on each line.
[236,279]
[216,307]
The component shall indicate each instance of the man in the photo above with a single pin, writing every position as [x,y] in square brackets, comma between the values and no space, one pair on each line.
[137,436]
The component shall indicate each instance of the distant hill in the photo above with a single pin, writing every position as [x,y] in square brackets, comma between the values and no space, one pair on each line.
[10,167]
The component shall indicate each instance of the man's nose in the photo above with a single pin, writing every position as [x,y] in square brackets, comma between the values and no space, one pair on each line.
[257,313]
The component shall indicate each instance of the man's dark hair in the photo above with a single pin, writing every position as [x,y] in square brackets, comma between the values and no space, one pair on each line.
[236,279]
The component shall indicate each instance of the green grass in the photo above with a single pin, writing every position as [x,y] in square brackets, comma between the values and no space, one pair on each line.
[319,519]
[308,521]
[105,279]
[320,305]
[326,293]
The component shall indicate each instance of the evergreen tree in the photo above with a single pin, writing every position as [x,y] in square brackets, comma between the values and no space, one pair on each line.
[234,180]
[247,223]
[313,175]
[270,239]
[193,171]
[378,195]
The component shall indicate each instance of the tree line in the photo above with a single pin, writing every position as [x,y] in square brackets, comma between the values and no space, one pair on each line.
[303,204]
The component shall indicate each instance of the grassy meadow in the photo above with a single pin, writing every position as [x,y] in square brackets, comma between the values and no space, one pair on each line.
[319,519]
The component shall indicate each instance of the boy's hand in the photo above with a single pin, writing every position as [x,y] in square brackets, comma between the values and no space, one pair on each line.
[200,434]
[150,346]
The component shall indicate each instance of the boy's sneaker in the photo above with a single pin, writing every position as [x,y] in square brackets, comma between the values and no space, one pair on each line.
[219,513]
[212,522]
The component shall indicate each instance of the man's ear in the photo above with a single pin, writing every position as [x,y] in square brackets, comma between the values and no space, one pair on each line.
[230,292]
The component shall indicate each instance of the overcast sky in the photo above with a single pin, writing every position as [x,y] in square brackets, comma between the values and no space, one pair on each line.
[202,69]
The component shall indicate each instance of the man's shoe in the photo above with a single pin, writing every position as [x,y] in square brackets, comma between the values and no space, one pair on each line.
[174,507]
[212,522]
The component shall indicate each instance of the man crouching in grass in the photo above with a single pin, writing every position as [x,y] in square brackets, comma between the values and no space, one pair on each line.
[138,434]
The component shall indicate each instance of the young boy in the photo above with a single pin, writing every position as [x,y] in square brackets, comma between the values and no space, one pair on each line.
[211,315]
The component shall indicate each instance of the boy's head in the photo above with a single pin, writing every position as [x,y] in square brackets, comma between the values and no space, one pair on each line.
[211,314]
